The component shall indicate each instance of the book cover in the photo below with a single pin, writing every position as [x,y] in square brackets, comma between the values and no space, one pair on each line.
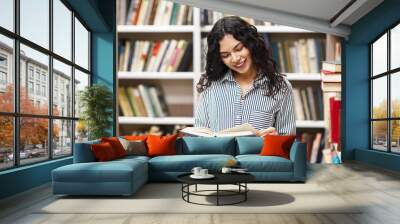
[240,130]
[332,66]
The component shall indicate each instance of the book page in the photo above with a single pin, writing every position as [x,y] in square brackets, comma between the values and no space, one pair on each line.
[198,131]
[240,128]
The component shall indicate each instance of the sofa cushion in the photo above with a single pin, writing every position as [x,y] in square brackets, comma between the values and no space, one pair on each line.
[277,145]
[206,145]
[135,147]
[185,163]
[249,145]
[257,163]
[103,152]
[161,145]
[116,144]
[111,171]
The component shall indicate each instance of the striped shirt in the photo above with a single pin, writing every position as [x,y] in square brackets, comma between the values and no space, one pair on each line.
[222,106]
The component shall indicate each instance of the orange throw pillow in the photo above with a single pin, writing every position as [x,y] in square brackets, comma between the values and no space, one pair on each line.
[161,145]
[116,145]
[103,151]
[277,145]
[135,137]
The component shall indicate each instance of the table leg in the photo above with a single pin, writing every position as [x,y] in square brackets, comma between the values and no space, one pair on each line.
[217,194]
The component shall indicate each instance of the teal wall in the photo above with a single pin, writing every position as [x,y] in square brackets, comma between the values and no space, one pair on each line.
[99,16]
[356,86]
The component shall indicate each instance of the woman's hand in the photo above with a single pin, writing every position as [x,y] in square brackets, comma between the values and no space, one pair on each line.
[268,131]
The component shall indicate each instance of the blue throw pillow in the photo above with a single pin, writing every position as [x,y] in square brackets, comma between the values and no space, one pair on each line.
[249,145]
[206,145]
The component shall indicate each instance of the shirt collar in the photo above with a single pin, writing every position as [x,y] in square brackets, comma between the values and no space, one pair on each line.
[229,77]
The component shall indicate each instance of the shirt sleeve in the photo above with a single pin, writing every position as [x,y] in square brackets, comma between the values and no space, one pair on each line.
[285,117]
[201,118]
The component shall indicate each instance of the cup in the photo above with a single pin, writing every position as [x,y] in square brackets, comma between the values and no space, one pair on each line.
[226,170]
[203,172]
[196,170]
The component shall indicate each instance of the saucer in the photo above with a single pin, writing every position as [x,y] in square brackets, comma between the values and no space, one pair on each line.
[208,176]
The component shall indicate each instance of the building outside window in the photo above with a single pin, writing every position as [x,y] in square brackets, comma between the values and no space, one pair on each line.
[34,75]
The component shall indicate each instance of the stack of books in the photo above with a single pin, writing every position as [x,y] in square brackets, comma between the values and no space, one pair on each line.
[331,76]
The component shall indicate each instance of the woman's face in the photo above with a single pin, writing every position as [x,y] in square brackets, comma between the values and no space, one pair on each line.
[235,55]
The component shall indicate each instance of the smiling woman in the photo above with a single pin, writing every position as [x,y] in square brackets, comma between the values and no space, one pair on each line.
[242,84]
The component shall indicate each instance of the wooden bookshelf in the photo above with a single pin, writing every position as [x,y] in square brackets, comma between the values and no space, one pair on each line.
[194,33]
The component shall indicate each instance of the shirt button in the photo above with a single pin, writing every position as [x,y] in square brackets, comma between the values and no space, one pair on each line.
[238,117]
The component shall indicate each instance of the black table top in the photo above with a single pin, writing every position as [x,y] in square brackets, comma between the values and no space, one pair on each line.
[220,178]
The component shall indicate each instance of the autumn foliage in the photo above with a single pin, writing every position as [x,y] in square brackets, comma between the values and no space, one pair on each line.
[33,130]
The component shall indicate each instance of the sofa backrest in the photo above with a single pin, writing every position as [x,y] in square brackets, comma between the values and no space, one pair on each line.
[205,145]
[249,145]
[83,152]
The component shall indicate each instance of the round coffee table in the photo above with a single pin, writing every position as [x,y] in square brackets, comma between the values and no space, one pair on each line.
[238,179]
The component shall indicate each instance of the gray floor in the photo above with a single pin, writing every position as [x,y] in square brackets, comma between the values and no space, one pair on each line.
[378,188]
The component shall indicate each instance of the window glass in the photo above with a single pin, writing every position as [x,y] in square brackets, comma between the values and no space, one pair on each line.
[395,136]
[39,61]
[81,45]
[379,98]
[395,47]
[395,95]
[62,91]
[379,56]
[6,142]
[81,131]
[6,74]
[34,21]
[62,138]
[62,29]
[81,82]
[33,140]
[379,135]
[7,14]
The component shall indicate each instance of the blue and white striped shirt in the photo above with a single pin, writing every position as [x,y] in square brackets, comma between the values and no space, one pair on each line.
[221,106]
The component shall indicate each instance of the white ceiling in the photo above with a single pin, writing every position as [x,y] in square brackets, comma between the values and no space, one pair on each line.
[315,15]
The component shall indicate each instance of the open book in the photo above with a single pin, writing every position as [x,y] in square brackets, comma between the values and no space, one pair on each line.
[240,130]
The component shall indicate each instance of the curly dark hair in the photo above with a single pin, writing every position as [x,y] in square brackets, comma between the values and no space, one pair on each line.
[247,34]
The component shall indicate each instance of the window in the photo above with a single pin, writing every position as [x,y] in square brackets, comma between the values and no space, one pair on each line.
[30,87]
[41,84]
[385,97]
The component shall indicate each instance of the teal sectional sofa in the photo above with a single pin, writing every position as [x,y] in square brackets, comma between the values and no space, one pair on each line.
[125,176]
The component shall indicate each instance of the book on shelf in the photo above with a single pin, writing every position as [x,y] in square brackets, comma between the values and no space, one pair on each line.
[153,12]
[240,130]
[331,67]
[335,108]
[155,56]
[308,103]
[142,100]
[209,17]
[124,103]
[333,77]
[298,56]
[331,86]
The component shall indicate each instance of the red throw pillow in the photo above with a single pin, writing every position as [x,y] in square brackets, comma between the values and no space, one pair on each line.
[103,152]
[135,137]
[277,145]
[161,145]
[116,145]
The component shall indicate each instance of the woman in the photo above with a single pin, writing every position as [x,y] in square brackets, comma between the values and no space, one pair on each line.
[242,84]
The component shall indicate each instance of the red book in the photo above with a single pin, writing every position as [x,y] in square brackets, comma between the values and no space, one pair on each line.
[335,108]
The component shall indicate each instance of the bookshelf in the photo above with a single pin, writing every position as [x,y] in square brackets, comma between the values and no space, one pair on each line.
[179,87]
